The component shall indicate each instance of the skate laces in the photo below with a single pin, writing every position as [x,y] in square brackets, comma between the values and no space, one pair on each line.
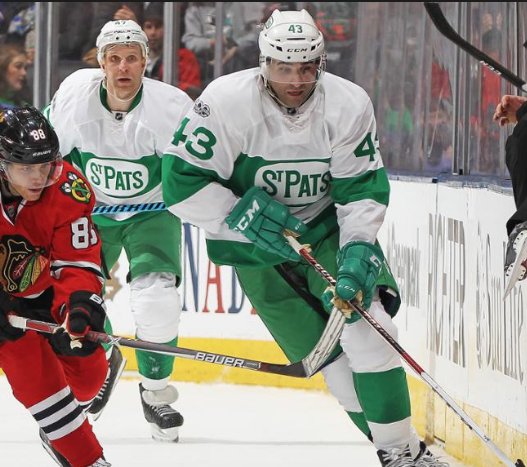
[397,458]
[103,388]
[427,459]
[163,410]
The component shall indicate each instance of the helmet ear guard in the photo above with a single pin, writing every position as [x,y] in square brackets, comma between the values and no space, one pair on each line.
[123,32]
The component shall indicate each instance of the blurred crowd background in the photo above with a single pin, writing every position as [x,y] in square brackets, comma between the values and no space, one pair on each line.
[433,102]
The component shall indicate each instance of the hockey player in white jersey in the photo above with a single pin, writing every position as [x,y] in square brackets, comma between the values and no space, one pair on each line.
[281,147]
[113,124]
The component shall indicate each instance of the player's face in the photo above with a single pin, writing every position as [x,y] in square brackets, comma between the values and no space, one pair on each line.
[292,82]
[29,180]
[124,66]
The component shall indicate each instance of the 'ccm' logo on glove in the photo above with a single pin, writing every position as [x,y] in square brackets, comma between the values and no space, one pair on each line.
[376,261]
[245,221]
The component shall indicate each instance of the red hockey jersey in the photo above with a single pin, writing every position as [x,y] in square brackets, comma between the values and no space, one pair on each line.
[52,242]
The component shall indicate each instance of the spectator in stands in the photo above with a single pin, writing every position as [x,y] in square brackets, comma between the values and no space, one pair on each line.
[107,11]
[73,33]
[14,91]
[491,42]
[240,36]
[188,66]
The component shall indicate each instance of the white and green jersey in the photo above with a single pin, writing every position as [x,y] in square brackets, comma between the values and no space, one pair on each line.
[323,162]
[119,152]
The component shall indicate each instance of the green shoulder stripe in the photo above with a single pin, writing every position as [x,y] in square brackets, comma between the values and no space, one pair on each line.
[182,180]
[372,184]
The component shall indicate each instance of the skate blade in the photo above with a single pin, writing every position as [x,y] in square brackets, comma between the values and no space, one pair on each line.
[95,416]
[518,268]
[59,461]
[167,435]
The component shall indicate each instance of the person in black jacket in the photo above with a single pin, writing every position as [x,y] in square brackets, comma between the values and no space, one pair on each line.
[513,110]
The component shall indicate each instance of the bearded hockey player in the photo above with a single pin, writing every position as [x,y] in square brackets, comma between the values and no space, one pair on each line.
[287,146]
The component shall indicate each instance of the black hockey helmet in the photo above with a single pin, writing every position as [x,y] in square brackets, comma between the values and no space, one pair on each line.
[26,137]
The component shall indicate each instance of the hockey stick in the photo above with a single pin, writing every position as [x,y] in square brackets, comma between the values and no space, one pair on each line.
[436,15]
[305,368]
[302,251]
[141,207]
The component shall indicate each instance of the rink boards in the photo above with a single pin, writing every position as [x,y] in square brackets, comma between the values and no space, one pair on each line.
[445,243]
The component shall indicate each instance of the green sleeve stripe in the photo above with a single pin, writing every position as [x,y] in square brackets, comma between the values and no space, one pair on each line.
[182,180]
[372,184]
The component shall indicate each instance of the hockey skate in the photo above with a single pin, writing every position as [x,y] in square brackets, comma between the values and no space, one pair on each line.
[116,364]
[55,455]
[403,458]
[515,257]
[60,459]
[164,420]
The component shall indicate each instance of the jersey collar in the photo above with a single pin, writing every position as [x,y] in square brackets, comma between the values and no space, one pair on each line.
[103,95]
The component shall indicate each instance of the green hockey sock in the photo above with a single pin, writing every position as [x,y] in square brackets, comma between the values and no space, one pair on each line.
[154,365]
[383,396]
[360,421]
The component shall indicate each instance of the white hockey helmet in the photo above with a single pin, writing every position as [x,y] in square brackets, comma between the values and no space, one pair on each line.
[291,36]
[120,32]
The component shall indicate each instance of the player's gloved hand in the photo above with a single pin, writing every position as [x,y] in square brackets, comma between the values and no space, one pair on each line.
[263,221]
[85,313]
[9,304]
[359,265]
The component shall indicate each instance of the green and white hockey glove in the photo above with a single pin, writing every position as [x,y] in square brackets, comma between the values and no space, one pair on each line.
[263,221]
[359,265]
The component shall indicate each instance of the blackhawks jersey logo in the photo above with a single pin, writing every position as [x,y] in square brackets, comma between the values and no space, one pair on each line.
[76,188]
[20,263]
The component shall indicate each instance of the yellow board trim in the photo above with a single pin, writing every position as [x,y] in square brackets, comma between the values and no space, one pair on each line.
[456,438]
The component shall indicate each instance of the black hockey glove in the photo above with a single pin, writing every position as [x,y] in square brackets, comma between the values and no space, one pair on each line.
[9,304]
[86,312]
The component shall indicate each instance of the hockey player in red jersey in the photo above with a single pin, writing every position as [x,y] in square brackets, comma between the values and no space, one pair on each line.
[50,271]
